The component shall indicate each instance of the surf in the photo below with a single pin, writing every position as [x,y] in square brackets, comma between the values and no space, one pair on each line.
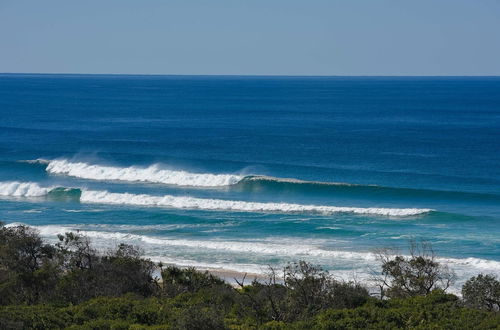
[160,174]
[34,190]
[30,189]
[23,189]
[311,249]
[186,202]
[152,174]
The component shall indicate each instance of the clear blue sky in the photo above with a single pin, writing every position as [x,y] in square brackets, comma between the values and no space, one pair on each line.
[272,37]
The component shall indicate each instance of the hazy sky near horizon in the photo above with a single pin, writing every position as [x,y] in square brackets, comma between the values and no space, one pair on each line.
[256,37]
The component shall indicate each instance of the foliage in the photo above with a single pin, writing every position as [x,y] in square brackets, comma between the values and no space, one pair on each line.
[32,271]
[28,270]
[311,289]
[482,292]
[121,271]
[435,311]
[177,281]
[416,275]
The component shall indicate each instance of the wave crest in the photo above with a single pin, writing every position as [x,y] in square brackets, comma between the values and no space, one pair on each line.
[31,189]
[22,189]
[186,202]
[152,174]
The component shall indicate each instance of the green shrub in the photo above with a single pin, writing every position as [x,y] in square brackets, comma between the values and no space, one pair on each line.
[482,292]
[34,317]
[435,311]
[176,280]
[414,275]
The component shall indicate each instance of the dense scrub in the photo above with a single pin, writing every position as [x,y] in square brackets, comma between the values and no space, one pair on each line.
[70,285]
[211,309]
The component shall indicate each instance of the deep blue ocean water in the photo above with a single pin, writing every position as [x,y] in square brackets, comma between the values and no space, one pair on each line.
[243,172]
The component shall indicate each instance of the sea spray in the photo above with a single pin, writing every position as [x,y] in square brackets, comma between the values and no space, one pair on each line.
[153,174]
[22,189]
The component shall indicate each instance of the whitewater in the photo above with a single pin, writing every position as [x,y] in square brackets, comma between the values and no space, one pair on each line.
[153,173]
[30,189]
[354,265]
[23,189]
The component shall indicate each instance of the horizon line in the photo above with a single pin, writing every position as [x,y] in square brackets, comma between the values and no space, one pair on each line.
[236,75]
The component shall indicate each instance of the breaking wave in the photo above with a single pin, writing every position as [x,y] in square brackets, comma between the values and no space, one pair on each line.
[30,189]
[153,174]
[284,247]
[22,189]
[186,202]
[157,173]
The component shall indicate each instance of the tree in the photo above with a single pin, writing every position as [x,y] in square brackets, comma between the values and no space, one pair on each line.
[89,275]
[312,289]
[29,270]
[303,290]
[482,292]
[76,250]
[415,275]
[177,281]
[308,287]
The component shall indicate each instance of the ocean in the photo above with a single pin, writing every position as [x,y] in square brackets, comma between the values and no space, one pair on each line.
[242,173]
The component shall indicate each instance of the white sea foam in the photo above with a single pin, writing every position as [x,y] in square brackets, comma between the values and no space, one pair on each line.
[154,174]
[285,247]
[22,189]
[32,211]
[253,255]
[185,202]
[31,189]
[255,247]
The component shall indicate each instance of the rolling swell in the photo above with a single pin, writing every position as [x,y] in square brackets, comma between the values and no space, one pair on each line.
[64,194]
[30,189]
[156,173]
[255,183]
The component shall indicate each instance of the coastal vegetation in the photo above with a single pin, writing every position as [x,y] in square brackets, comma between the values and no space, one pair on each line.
[72,285]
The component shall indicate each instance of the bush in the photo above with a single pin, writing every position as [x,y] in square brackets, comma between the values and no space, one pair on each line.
[306,290]
[200,318]
[434,311]
[29,268]
[33,272]
[33,317]
[177,281]
[416,275]
[89,275]
[214,309]
[482,292]
[311,289]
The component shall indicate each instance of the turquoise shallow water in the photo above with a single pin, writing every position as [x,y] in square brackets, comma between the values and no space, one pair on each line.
[244,172]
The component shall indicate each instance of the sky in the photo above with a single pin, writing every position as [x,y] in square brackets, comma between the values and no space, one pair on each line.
[254,37]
